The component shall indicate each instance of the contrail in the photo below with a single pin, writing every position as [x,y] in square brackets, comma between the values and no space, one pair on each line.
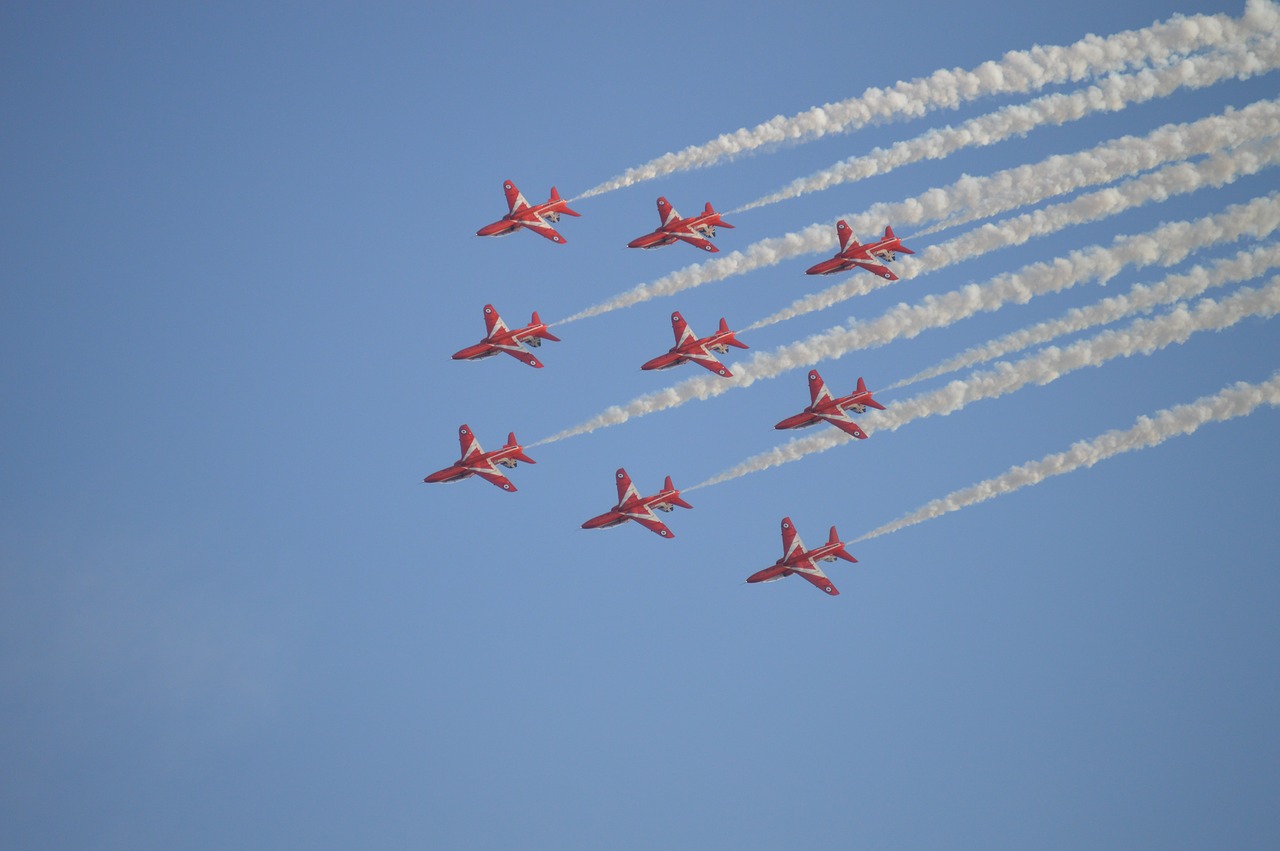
[1163,246]
[1244,266]
[1238,400]
[1157,186]
[984,196]
[1016,72]
[1114,93]
[1143,336]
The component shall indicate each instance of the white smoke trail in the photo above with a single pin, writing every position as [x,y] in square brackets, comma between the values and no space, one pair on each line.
[1142,297]
[1157,186]
[1164,246]
[1017,72]
[1238,400]
[985,196]
[1114,93]
[1143,336]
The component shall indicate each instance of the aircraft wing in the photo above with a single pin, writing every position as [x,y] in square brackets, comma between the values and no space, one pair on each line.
[702,357]
[844,232]
[470,446]
[488,471]
[817,578]
[492,321]
[646,518]
[818,391]
[693,239]
[790,538]
[522,354]
[515,201]
[626,490]
[876,269]
[845,423]
[666,212]
[541,228]
[681,329]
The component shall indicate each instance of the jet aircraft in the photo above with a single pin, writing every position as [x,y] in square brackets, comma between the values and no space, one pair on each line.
[852,253]
[827,408]
[500,338]
[796,559]
[476,462]
[695,230]
[535,217]
[632,506]
[689,347]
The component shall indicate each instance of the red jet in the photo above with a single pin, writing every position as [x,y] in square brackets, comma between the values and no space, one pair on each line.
[632,506]
[524,215]
[476,462]
[796,559]
[503,339]
[695,230]
[852,253]
[826,408]
[689,348]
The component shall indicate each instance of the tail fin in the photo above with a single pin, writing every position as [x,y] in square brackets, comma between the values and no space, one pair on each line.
[730,340]
[710,211]
[519,456]
[544,333]
[675,498]
[555,196]
[840,551]
[889,234]
[862,388]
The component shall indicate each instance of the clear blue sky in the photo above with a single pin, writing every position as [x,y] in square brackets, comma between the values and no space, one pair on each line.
[237,252]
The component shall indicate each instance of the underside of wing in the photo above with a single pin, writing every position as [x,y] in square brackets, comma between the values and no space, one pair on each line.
[646,518]
[818,579]
[692,239]
[818,391]
[522,354]
[515,201]
[489,473]
[845,423]
[681,329]
[541,228]
[790,538]
[467,440]
[492,321]
[877,269]
[844,232]
[626,490]
[666,212]
[703,358]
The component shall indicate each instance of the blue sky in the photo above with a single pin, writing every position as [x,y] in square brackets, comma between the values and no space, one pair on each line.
[238,250]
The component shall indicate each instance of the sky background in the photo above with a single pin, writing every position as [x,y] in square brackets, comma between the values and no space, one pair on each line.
[237,251]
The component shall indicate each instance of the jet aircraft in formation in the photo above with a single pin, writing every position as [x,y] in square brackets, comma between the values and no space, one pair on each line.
[827,408]
[632,506]
[689,347]
[536,217]
[476,462]
[695,230]
[500,338]
[796,559]
[853,254]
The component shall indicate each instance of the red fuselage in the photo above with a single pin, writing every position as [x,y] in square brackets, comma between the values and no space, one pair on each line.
[513,222]
[786,566]
[880,250]
[676,355]
[466,467]
[629,510]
